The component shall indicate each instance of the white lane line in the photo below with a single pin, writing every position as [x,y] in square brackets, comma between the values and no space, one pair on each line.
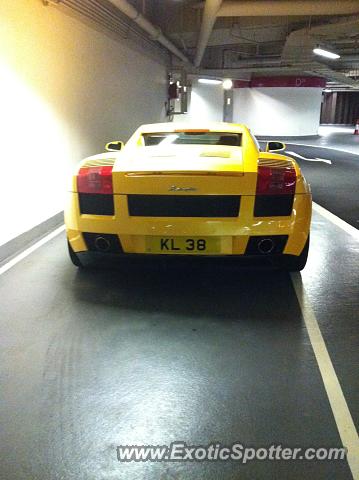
[296,155]
[354,232]
[31,249]
[316,159]
[342,415]
[322,146]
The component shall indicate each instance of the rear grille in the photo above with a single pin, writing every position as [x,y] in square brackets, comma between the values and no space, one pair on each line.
[99,162]
[184,205]
[275,163]
[273,205]
[96,203]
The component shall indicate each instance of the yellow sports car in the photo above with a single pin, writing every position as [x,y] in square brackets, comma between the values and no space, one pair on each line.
[180,189]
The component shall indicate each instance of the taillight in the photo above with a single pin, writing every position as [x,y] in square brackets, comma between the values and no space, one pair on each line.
[95,180]
[276,180]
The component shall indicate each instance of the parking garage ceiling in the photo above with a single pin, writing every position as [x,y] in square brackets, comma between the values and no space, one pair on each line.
[240,38]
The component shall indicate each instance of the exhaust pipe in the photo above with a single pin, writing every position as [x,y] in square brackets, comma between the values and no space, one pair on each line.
[102,244]
[265,246]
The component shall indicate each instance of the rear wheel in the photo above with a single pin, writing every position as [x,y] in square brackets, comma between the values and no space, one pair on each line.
[74,258]
[294,263]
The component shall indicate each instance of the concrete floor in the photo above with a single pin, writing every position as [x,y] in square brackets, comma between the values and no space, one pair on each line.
[341,138]
[334,185]
[330,163]
[98,358]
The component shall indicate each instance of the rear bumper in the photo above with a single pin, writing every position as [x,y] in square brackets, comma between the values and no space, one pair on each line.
[235,233]
[178,261]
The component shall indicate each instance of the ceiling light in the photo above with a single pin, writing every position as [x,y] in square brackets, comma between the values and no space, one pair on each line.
[327,90]
[209,81]
[227,84]
[325,53]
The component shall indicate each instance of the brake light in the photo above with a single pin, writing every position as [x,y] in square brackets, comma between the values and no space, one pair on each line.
[191,130]
[95,180]
[276,180]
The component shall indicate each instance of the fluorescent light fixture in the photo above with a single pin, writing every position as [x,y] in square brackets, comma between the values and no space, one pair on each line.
[227,84]
[209,81]
[327,90]
[325,53]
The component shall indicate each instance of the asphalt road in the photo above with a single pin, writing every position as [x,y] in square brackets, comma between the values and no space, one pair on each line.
[335,185]
[94,359]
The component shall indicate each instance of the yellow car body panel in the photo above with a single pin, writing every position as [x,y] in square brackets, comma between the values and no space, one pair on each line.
[204,170]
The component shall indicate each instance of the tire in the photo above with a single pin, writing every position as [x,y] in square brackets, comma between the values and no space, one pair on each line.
[294,263]
[74,258]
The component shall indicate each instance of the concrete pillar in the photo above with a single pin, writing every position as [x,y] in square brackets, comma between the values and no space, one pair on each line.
[228,105]
[279,106]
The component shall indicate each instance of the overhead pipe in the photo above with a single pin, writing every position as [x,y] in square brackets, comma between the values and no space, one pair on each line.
[210,12]
[233,73]
[349,58]
[299,46]
[247,62]
[241,73]
[261,8]
[154,32]
[276,60]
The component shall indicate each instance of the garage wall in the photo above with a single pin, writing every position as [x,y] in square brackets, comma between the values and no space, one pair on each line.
[206,104]
[65,90]
[283,111]
[268,111]
[340,108]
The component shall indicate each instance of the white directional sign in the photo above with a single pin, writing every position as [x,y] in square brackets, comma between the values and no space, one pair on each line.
[316,159]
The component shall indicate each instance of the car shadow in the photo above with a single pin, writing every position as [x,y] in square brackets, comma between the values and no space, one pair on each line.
[205,290]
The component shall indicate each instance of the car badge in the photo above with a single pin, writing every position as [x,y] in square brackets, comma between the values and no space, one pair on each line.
[174,188]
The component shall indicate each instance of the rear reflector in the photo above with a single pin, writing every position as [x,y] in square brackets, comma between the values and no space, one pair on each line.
[95,180]
[276,180]
[192,130]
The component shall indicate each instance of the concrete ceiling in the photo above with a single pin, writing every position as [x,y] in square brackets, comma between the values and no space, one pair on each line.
[238,38]
[262,42]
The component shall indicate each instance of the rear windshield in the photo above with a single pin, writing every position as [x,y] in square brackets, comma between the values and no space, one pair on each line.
[192,138]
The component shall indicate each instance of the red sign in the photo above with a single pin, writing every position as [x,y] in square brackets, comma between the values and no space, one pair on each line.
[241,83]
[273,82]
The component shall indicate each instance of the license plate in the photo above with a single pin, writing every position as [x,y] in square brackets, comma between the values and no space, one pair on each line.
[183,245]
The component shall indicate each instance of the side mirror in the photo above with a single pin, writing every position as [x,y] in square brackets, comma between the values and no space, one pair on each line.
[275,146]
[114,146]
